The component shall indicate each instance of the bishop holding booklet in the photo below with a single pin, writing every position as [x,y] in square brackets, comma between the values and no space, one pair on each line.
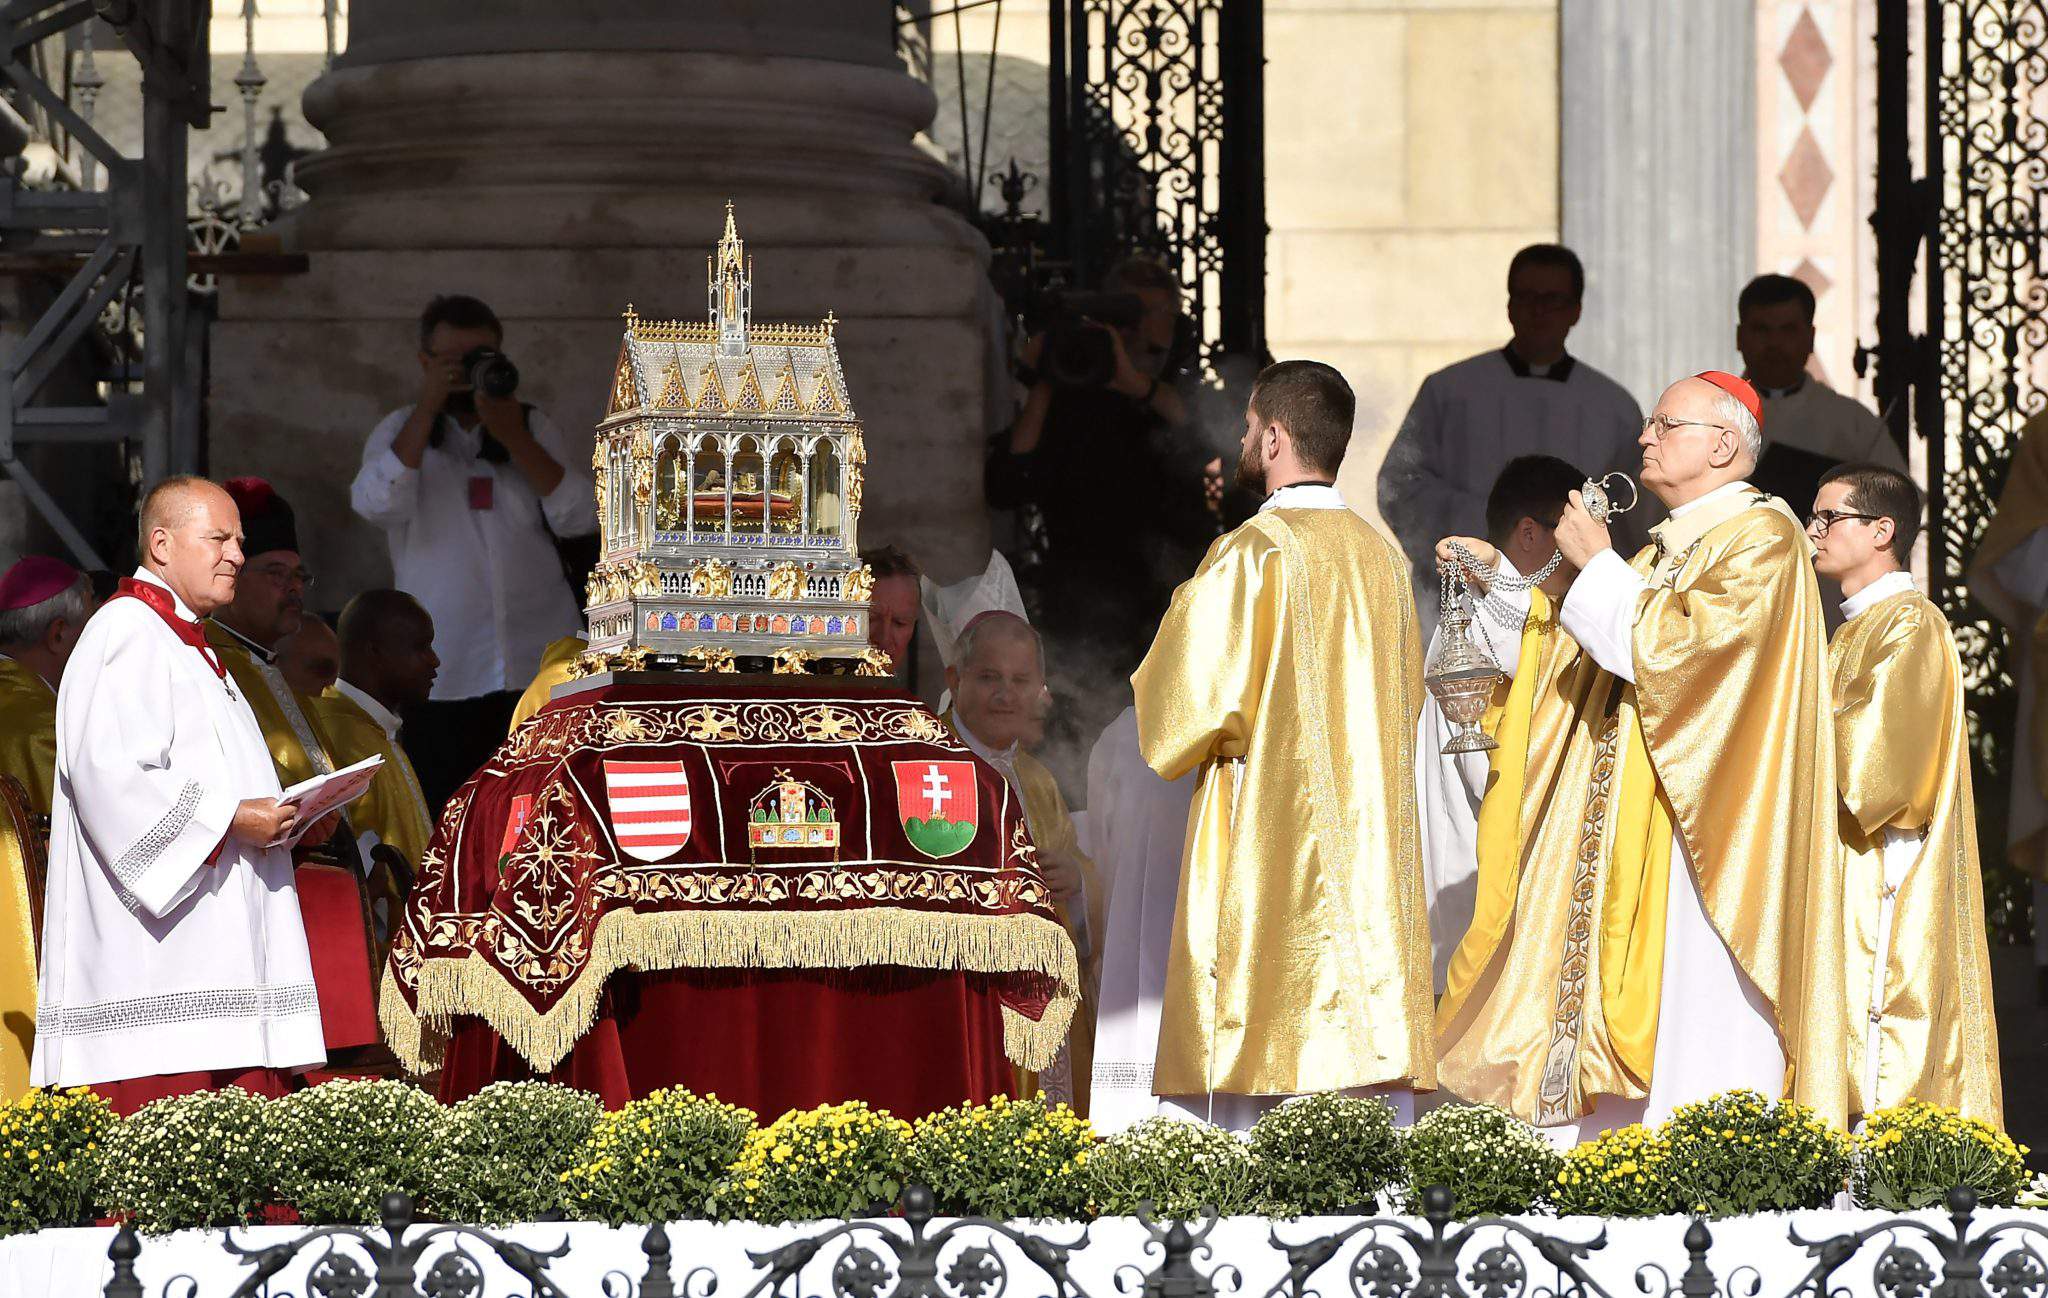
[173,959]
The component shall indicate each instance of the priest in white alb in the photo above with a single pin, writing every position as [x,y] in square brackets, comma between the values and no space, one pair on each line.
[1288,673]
[1662,918]
[1137,824]
[173,956]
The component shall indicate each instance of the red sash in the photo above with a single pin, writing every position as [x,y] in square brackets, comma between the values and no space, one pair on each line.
[164,606]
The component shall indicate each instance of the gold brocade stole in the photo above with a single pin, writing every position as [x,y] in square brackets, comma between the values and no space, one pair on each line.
[1626,826]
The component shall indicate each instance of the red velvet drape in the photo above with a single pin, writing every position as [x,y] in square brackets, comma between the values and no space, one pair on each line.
[907,1040]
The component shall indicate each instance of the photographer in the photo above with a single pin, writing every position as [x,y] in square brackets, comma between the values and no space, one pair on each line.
[475,490]
[1106,453]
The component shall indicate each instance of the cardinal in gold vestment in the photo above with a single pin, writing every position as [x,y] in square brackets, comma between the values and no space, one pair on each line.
[1919,964]
[1661,917]
[1288,671]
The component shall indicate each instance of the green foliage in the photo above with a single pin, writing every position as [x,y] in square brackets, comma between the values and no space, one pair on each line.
[1493,1163]
[508,1146]
[1625,1173]
[939,837]
[342,1146]
[204,1159]
[1003,1159]
[1738,1153]
[662,1158]
[1181,1167]
[51,1143]
[1326,1154]
[1910,1156]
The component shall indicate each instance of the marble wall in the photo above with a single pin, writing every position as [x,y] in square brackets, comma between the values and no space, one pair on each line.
[1411,148]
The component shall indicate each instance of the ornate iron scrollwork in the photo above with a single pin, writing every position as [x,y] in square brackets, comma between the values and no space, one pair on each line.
[1396,1260]
[1380,1257]
[1157,148]
[1920,1259]
[453,1267]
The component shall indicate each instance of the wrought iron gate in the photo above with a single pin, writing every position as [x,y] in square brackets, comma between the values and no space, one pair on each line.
[1158,145]
[1969,85]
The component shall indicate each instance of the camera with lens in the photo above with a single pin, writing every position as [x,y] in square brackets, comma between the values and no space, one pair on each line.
[490,372]
[1078,351]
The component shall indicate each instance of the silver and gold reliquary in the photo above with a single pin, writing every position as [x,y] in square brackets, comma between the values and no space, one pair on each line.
[728,493]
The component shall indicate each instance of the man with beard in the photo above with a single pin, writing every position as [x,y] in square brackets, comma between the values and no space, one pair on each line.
[1288,670]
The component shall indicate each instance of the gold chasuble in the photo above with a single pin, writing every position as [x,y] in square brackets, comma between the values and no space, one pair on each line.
[1902,753]
[2022,511]
[1288,669]
[1552,1000]
[394,809]
[556,664]
[28,732]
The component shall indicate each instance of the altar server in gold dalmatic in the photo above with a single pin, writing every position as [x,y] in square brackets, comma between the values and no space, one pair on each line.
[1662,920]
[1288,672]
[1919,965]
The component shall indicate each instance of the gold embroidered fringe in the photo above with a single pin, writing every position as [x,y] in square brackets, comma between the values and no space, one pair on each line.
[801,940]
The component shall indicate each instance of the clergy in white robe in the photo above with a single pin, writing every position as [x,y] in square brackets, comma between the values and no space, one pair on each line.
[1521,521]
[1471,418]
[1774,333]
[1137,827]
[173,954]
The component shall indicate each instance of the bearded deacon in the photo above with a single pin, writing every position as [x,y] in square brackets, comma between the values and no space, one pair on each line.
[1664,922]
[1919,964]
[1287,671]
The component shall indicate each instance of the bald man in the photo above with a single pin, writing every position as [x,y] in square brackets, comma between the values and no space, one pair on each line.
[997,679]
[1668,922]
[174,959]
[388,665]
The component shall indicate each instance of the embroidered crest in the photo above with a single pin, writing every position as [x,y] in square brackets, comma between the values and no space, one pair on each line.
[938,806]
[650,808]
[791,814]
[515,825]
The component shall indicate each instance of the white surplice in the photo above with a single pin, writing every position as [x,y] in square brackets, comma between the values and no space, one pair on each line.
[1137,824]
[155,961]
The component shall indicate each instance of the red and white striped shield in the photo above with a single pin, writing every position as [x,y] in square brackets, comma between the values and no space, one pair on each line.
[650,806]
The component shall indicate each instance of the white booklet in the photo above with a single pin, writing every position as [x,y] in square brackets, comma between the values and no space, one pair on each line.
[324,793]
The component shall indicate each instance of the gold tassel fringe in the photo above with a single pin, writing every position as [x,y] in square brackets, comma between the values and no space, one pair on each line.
[700,940]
